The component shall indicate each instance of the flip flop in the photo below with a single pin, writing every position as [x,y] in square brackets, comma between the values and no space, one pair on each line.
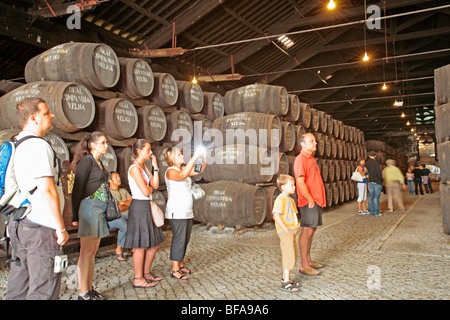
[120,255]
[310,271]
[188,271]
[145,284]
[153,278]
[316,265]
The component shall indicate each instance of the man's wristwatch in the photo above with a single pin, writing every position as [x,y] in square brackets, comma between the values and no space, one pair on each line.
[156,170]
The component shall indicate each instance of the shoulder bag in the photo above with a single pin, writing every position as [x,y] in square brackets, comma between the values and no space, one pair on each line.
[356,176]
[157,214]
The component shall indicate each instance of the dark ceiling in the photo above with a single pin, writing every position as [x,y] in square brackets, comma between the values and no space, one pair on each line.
[324,67]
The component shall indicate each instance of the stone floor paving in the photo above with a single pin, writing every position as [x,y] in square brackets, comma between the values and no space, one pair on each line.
[393,257]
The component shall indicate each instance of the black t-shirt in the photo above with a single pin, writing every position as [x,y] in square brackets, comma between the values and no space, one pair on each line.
[375,174]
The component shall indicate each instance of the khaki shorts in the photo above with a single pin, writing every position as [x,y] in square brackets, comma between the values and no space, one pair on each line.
[310,217]
[289,248]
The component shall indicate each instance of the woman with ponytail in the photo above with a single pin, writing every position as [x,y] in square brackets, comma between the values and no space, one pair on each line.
[89,202]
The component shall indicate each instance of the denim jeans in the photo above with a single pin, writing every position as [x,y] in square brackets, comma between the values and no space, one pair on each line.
[411,186]
[120,224]
[374,198]
[418,185]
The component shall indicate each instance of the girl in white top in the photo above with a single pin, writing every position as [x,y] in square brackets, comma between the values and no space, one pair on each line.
[179,205]
[142,233]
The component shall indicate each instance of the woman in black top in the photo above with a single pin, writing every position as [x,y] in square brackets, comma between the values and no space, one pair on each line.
[89,203]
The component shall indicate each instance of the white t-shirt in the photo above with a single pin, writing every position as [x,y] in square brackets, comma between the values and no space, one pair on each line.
[136,193]
[34,159]
[179,198]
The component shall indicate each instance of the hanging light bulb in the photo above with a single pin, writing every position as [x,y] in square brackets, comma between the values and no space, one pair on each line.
[408,123]
[403,115]
[331,5]
[194,81]
[366,57]
[384,87]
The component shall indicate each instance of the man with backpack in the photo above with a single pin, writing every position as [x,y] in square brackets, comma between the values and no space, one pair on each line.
[37,239]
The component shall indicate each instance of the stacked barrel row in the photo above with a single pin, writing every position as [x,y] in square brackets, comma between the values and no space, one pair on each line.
[385,152]
[442,133]
[87,87]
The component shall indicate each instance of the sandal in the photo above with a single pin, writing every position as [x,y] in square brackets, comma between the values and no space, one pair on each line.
[145,284]
[181,277]
[186,272]
[289,286]
[151,278]
[120,257]
[310,271]
[316,265]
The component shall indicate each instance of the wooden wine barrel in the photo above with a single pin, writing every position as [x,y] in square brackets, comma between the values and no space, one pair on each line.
[320,144]
[239,162]
[257,127]
[299,131]
[58,145]
[345,138]
[165,92]
[7,86]
[190,96]
[335,191]
[336,129]
[346,190]
[179,124]
[337,171]
[272,193]
[327,146]
[283,167]
[343,167]
[305,115]
[231,204]
[257,98]
[288,136]
[213,106]
[8,134]
[125,158]
[323,123]
[329,124]
[324,170]
[94,65]
[71,103]
[152,123]
[331,170]
[341,191]
[328,194]
[314,126]
[340,149]
[352,186]
[294,108]
[333,147]
[162,164]
[341,130]
[117,117]
[136,78]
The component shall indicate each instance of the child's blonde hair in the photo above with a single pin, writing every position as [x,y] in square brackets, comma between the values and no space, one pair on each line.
[284,179]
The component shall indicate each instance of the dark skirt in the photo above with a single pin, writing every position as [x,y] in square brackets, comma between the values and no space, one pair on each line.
[141,231]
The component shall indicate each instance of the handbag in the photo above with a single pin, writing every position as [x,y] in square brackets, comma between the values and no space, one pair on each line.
[197,191]
[157,214]
[356,176]
[112,211]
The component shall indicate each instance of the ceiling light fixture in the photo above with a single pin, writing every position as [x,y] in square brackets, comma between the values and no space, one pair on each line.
[384,87]
[331,5]
[194,80]
[403,115]
[408,123]
[285,41]
[366,57]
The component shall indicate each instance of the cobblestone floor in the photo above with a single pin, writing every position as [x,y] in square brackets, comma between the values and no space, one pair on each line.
[392,257]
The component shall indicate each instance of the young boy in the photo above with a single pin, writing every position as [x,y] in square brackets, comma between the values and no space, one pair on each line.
[287,226]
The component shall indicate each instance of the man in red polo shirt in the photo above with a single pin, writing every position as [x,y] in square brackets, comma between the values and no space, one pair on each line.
[311,200]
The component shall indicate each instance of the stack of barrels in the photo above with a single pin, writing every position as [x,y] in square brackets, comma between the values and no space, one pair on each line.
[385,152]
[89,88]
[442,132]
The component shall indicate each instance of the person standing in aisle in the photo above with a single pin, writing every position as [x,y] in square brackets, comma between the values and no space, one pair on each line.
[410,180]
[179,208]
[418,180]
[395,182]
[362,186]
[375,184]
[426,179]
[89,203]
[142,233]
[40,235]
[311,199]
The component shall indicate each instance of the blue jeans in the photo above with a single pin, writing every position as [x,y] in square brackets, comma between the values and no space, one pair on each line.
[411,186]
[418,185]
[374,198]
[120,224]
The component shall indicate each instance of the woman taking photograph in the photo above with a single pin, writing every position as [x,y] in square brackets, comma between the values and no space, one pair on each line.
[89,203]
[142,233]
[179,207]
[362,186]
